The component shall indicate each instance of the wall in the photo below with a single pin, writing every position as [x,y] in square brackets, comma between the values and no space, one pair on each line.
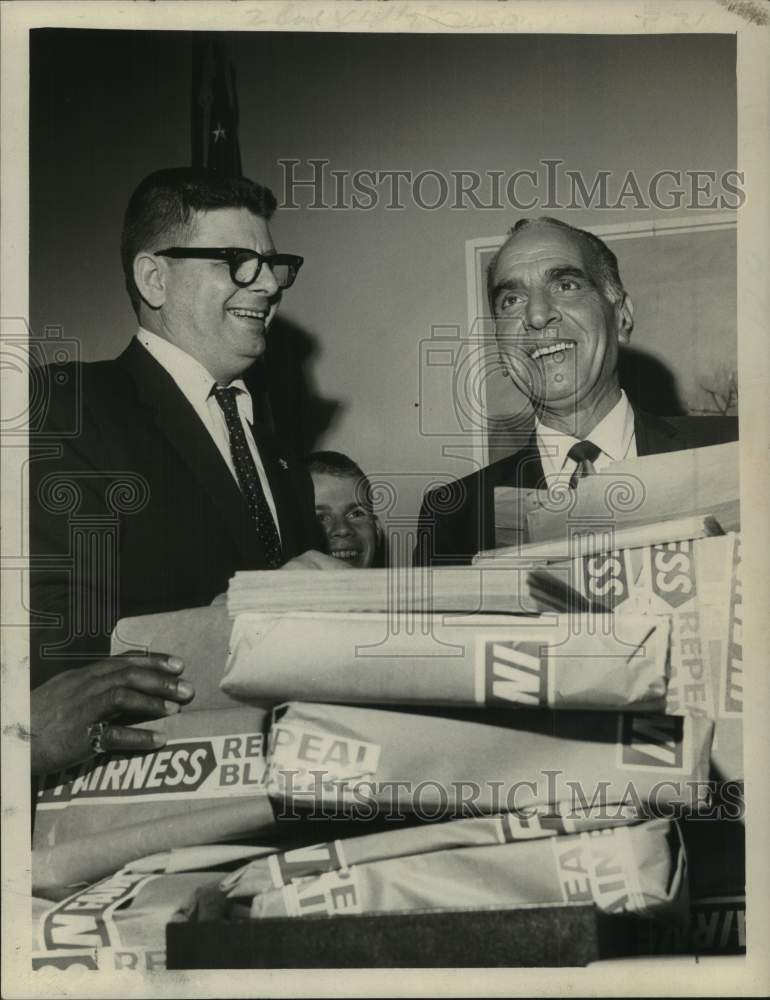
[106,108]
[375,282]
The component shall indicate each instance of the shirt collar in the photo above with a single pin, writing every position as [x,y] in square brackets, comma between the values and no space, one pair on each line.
[195,381]
[244,400]
[613,435]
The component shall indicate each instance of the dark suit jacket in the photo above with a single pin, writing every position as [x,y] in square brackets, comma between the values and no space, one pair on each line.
[133,510]
[457,521]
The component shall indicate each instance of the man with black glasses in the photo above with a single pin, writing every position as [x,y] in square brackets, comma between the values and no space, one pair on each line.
[168,486]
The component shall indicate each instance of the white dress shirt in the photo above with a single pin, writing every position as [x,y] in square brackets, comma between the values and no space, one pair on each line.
[195,383]
[614,435]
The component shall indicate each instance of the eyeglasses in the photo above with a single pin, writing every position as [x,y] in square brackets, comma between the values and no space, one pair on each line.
[244,265]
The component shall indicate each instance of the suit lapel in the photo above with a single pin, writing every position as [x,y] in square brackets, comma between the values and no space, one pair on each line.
[526,468]
[654,435]
[522,470]
[180,424]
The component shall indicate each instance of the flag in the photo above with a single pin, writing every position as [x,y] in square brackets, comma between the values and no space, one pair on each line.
[214,108]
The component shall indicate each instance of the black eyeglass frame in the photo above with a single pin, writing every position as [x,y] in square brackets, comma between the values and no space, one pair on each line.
[234,257]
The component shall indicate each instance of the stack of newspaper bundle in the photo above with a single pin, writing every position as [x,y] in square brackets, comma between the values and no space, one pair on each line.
[611,706]
[518,725]
[688,573]
[438,717]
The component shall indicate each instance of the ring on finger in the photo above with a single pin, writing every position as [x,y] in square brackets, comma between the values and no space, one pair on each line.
[96,734]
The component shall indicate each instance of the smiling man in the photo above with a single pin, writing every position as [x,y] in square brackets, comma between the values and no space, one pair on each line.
[153,482]
[561,315]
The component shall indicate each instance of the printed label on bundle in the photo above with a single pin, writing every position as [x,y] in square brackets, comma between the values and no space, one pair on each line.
[512,672]
[599,867]
[85,919]
[606,578]
[304,762]
[717,926]
[198,768]
[76,959]
[288,866]
[531,825]
[112,959]
[673,573]
[651,742]
[674,589]
[328,894]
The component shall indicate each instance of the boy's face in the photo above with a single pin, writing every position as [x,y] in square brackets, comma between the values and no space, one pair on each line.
[350,529]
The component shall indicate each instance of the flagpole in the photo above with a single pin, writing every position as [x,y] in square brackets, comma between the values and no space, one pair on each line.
[214,107]
[198,124]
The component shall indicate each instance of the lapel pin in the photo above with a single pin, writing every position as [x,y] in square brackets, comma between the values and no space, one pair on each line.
[283,464]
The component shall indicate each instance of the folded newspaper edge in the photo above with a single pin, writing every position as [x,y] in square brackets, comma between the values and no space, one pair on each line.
[464,589]
[588,540]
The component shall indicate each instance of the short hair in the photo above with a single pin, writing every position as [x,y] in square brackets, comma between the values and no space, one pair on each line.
[334,463]
[161,210]
[603,261]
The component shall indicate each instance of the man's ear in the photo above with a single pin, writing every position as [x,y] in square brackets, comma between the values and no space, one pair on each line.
[150,278]
[626,319]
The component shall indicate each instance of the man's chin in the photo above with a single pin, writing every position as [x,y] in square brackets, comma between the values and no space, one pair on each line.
[257,347]
[560,406]
[549,395]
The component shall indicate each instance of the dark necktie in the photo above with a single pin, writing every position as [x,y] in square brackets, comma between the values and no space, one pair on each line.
[585,454]
[248,478]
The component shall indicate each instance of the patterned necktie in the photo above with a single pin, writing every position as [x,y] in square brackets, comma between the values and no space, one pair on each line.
[584,453]
[248,478]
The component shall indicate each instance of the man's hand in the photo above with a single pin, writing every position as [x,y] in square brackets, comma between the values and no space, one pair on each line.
[312,559]
[135,683]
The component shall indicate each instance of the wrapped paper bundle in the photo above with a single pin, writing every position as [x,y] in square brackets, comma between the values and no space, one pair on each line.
[466,763]
[199,636]
[627,869]
[118,923]
[697,585]
[57,871]
[463,589]
[201,857]
[206,784]
[282,868]
[586,537]
[642,491]
[560,661]
[210,758]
